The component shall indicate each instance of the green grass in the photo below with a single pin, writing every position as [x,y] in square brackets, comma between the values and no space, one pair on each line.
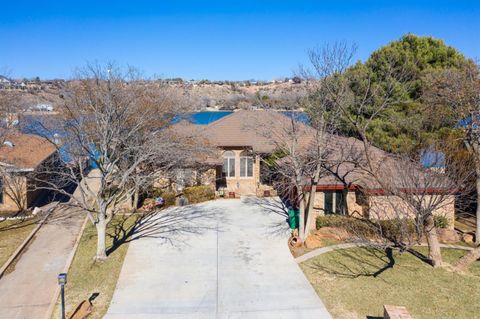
[86,277]
[12,234]
[352,284]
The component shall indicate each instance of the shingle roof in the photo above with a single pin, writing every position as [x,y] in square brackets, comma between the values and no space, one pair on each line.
[260,130]
[28,151]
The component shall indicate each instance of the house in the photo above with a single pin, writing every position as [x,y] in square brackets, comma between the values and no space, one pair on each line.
[21,157]
[242,139]
[245,138]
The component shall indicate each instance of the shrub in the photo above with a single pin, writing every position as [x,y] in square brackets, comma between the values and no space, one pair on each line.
[441,221]
[198,194]
[395,230]
[350,224]
[169,198]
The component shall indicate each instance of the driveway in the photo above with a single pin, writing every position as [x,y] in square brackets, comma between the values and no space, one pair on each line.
[221,259]
[27,291]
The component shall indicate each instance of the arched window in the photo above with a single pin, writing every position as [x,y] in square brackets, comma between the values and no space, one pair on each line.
[246,164]
[228,169]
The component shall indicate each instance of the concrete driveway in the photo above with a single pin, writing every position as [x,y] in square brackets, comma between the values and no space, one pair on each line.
[27,291]
[221,259]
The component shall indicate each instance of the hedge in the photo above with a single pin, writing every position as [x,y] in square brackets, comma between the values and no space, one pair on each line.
[394,229]
[198,194]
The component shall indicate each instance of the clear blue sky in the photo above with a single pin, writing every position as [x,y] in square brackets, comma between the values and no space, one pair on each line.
[215,39]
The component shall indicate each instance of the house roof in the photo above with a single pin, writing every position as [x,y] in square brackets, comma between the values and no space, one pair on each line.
[24,151]
[264,130]
[260,130]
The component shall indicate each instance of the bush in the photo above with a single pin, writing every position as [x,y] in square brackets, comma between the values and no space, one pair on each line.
[395,230]
[198,194]
[169,198]
[441,221]
[350,224]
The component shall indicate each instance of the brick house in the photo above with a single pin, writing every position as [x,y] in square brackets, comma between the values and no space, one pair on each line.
[244,138]
[21,157]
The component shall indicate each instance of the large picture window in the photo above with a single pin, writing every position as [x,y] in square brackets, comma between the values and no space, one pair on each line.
[246,164]
[228,169]
[334,202]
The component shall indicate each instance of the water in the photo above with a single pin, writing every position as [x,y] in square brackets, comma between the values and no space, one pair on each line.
[201,118]
[207,117]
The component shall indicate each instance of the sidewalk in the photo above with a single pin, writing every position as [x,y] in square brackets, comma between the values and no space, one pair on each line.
[27,291]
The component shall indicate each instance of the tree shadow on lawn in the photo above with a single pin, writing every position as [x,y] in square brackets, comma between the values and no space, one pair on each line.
[359,262]
[170,224]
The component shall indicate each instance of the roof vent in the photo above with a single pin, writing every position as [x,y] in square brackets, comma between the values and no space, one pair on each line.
[8,143]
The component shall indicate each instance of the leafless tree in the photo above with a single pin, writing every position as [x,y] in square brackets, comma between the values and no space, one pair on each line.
[458,92]
[421,191]
[114,142]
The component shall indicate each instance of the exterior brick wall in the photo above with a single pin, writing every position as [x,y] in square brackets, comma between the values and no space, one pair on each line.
[384,207]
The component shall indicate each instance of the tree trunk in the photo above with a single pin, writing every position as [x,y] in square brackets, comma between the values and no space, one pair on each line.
[466,261]
[311,199]
[477,230]
[430,231]
[301,220]
[101,236]
[135,199]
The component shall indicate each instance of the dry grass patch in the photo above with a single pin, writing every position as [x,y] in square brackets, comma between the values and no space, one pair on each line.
[360,281]
[12,234]
[87,277]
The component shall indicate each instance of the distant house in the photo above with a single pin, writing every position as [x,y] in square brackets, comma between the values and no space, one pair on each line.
[4,79]
[244,139]
[21,157]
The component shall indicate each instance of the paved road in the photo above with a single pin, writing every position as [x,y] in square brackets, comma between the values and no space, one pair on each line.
[27,291]
[222,259]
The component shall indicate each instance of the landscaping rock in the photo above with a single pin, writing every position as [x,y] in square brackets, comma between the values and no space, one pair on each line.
[313,241]
[332,233]
[468,238]
[448,235]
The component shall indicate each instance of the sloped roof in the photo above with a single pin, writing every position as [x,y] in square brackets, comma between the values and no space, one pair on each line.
[260,130]
[28,151]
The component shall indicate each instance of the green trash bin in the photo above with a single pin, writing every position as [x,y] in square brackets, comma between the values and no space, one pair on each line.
[293,218]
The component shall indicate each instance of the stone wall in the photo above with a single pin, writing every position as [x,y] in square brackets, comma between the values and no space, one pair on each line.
[385,207]
[14,193]
[389,207]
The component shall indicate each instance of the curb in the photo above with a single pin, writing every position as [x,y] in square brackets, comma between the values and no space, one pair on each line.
[323,250]
[53,302]
[22,246]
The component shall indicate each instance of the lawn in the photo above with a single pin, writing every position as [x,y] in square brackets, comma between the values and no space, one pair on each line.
[357,282]
[12,234]
[87,278]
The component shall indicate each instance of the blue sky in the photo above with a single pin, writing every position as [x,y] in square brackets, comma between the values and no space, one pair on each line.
[215,39]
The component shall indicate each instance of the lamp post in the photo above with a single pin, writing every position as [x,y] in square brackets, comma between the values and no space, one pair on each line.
[62,281]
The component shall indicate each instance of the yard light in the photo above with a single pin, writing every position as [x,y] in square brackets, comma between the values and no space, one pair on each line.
[62,281]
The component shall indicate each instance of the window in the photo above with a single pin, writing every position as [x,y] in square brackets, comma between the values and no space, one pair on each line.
[228,169]
[334,202]
[246,165]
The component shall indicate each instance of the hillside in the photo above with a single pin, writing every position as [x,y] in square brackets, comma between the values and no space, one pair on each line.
[199,95]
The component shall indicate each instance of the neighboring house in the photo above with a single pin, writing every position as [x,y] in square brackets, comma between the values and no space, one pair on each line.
[244,138]
[21,157]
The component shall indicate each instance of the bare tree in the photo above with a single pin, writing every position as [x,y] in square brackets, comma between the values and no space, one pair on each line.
[458,91]
[114,142]
[412,191]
